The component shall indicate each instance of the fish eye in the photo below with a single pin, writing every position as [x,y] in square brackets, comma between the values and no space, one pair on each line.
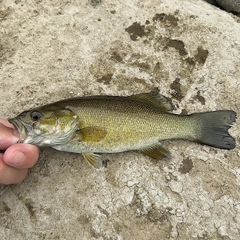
[36,116]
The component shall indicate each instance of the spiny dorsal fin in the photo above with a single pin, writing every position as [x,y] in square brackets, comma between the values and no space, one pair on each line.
[155,151]
[154,99]
[92,134]
[93,159]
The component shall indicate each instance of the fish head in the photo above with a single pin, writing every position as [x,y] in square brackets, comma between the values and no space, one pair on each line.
[46,126]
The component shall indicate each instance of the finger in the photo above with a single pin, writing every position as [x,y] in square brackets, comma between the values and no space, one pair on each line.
[21,155]
[7,137]
[9,125]
[6,123]
[10,175]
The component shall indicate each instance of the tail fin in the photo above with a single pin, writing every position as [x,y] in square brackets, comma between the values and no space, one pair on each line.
[214,128]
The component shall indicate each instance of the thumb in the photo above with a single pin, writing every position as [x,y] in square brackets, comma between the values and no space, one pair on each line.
[8,136]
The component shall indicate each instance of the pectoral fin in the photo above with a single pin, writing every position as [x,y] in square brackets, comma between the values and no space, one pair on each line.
[92,134]
[93,159]
[155,151]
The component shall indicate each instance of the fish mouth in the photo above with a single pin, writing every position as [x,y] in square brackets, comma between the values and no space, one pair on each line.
[20,127]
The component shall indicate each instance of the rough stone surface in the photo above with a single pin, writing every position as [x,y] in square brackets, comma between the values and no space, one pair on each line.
[230,5]
[211,1]
[50,50]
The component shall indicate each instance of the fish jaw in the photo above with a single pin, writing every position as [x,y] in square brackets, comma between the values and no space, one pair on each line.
[33,136]
[21,128]
[25,131]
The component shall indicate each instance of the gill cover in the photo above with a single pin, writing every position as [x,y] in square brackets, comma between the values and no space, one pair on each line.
[47,125]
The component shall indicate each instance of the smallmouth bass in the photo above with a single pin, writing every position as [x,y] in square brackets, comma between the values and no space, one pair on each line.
[111,124]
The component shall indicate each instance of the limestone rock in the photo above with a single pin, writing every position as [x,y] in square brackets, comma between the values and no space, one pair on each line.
[230,5]
[189,50]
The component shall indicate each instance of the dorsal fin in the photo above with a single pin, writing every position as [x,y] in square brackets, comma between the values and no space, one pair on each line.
[154,99]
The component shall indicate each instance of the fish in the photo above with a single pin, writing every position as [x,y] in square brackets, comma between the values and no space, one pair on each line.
[93,125]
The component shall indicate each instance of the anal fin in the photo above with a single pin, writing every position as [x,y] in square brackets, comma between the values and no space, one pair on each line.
[155,151]
[93,159]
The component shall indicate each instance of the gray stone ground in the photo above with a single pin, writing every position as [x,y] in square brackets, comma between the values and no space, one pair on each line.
[190,50]
[230,5]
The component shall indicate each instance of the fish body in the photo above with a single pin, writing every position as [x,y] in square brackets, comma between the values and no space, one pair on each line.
[109,124]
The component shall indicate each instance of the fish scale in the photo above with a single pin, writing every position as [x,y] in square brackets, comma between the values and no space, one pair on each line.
[132,130]
[108,124]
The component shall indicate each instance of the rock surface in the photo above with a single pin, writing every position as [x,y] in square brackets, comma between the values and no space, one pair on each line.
[230,5]
[50,50]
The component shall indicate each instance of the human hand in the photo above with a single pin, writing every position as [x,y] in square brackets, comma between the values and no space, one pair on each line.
[17,158]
